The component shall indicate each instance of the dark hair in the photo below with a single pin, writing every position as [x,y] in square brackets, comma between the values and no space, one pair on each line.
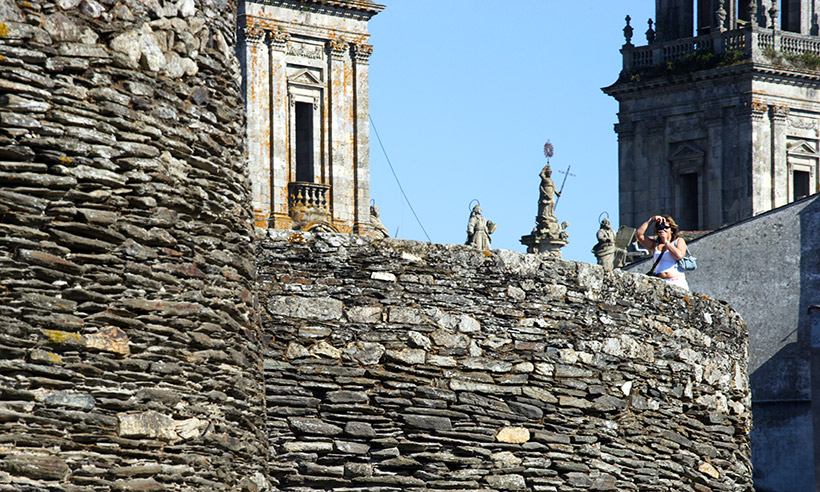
[672,225]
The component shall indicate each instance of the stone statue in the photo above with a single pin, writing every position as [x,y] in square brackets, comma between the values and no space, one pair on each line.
[548,192]
[479,230]
[548,236]
[379,231]
[604,251]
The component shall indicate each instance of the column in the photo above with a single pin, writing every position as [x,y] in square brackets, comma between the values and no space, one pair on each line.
[780,179]
[711,206]
[341,135]
[361,160]
[257,107]
[278,148]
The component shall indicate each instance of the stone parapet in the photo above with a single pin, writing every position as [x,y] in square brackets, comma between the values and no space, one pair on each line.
[128,349]
[398,365]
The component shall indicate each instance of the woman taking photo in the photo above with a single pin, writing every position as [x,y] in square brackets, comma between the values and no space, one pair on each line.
[667,247]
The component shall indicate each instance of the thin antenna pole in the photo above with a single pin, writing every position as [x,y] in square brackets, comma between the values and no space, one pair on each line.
[397,181]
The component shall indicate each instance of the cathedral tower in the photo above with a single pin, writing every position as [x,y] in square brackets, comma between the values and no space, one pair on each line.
[719,115]
[305,84]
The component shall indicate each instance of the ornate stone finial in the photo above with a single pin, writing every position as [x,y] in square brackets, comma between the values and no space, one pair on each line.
[753,12]
[628,31]
[650,33]
[479,230]
[773,14]
[720,17]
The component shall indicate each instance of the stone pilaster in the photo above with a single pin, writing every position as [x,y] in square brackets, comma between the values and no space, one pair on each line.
[626,182]
[279,172]
[341,134]
[711,206]
[361,159]
[640,190]
[780,180]
[760,159]
[657,167]
[258,128]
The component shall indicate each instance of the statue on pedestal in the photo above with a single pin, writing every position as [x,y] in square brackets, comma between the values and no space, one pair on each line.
[548,237]
[479,230]
[604,251]
[379,231]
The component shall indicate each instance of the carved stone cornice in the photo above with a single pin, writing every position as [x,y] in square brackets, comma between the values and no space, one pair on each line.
[338,48]
[362,52]
[279,40]
[779,113]
[253,34]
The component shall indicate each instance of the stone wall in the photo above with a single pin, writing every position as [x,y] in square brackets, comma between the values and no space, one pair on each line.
[395,365]
[744,264]
[128,355]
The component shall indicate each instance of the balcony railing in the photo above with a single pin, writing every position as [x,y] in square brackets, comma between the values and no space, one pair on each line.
[753,42]
[304,194]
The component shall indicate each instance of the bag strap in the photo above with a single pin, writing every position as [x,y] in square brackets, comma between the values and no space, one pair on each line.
[652,271]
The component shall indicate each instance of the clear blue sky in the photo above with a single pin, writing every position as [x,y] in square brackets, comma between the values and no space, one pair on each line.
[464,94]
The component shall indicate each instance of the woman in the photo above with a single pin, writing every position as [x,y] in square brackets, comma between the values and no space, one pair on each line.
[668,245]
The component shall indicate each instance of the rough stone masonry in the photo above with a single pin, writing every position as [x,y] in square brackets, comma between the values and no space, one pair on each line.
[128,356]
[396,365]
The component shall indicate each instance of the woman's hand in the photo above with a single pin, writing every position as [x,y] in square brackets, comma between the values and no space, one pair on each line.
[664,235]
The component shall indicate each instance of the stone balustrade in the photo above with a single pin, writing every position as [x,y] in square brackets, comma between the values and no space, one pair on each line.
[753,42]
[304,194]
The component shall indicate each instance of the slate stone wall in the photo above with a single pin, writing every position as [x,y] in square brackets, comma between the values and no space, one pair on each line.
[128,343]
[395,365]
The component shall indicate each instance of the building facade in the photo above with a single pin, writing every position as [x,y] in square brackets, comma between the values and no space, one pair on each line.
[305,85]
[719,121]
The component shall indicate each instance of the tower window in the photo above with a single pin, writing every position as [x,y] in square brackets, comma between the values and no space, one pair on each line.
[304,142]
[690,195]
[801,180]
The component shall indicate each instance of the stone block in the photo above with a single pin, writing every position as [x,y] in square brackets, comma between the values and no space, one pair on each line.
[428,422]
[35,466]
[309,425]
[507,482]
[147,424]
[312,308]
[513,435]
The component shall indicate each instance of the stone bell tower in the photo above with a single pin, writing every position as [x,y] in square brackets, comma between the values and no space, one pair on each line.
[719,115]
[305,84]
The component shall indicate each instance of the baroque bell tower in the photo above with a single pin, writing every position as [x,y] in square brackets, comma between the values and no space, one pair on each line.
[305,85]
[719,112]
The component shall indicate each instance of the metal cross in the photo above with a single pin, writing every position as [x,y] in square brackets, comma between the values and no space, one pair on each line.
[566,175]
